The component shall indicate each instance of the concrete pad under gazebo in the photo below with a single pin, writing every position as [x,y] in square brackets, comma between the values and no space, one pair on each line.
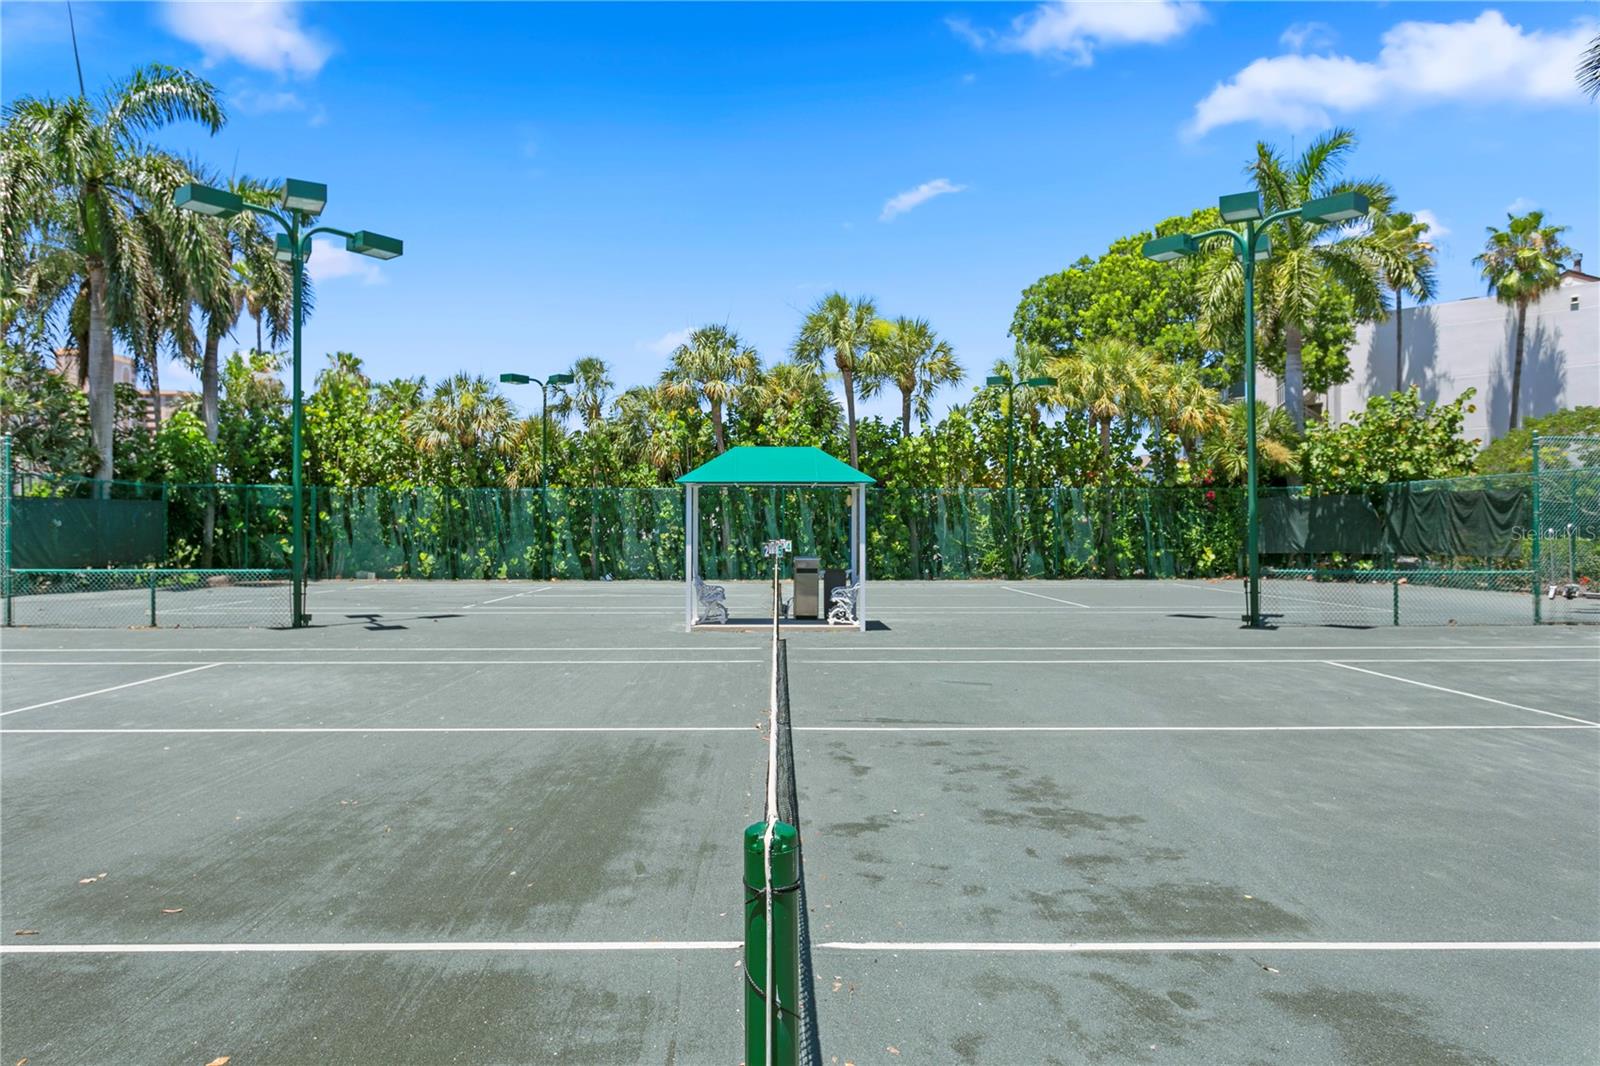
[752,466]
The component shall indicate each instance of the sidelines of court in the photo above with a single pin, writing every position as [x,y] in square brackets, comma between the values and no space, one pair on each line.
[1107,947]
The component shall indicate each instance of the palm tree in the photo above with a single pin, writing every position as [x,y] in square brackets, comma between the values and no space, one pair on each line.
[908,353]
[1107,379]
[591,391]
[790,402]
[1407,264]
[1521,263]
[840,327]
[92,157]
[1029,359]
[1306,256]
[712,364]
[1186,404]
[1589,68]
[1276,443]
[463,426]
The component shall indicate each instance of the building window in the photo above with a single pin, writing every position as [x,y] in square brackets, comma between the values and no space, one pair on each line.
[1574,303]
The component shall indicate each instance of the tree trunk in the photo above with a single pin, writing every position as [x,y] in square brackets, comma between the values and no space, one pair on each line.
[1516,363]
[1294,389]
[905,411]
[208,412]
[102,372]
[258,332]
[716,424]
[155,392]
[850,413]
[1399,350]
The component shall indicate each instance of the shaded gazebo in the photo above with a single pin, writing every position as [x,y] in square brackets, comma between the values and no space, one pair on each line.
[752,466]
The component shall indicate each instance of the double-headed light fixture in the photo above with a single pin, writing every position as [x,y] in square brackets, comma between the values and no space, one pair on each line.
[1253,246]
[301,202]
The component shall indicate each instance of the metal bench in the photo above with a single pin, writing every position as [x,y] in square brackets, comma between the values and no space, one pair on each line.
[842,603]
[711,601]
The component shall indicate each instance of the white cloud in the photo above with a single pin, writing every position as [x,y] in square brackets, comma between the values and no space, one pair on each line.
[1073,29]
[1307,36]
[1437,231]
[251,101]
[329,261]
[258,33]
[664,344]
[900,203]
[1418,63]
[1521,206]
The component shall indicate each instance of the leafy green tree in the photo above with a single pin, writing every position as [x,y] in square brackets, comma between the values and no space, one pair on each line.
[1513,453]
[1327,331]
[1123,294]
[45,416]
[1397,437]
[907,353]
[713,364]
[1521,263]
[840,329]
[1307,257]
[1407,257]
[788,403]
[102,241]
[253,429]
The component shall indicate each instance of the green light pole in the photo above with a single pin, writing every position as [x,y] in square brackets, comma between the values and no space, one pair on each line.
[302,202]
[545,385]
[1253,246]
[1010,385]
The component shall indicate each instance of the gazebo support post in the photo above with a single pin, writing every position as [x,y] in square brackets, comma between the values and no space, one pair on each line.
[858,546]
[691,551]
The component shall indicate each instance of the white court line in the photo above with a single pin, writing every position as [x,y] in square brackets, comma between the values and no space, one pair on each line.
[1147,728]
[812,729]
[1549,645]
[1136,947]
[102,691]
[398,946]
[1458,692]
[481,729]
[513,596]
[1042,596]
[425,662]
[805,659]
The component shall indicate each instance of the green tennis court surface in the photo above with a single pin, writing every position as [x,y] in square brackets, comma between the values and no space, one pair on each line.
[1077,821]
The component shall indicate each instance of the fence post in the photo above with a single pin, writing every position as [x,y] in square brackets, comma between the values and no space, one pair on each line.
[5,525]
[783,1017]
[152,599]
[1538,535]
[1394,579]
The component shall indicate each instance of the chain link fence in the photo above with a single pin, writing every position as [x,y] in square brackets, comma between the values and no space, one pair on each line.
[1566,528]
[112,598]
[1365,599]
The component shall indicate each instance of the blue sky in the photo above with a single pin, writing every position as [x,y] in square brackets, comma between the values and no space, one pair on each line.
[576,180]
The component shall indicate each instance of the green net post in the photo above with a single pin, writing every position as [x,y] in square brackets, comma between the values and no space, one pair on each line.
[1394,581]
[152,599]
[780,1025]
[1538,534]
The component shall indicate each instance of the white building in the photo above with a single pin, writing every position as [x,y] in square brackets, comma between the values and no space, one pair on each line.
[1461,344]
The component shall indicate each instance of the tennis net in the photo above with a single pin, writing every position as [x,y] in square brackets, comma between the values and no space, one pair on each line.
[780,1028]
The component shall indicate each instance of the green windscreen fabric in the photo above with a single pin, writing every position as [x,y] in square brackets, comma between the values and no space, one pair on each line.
[1481,518]
[55,533]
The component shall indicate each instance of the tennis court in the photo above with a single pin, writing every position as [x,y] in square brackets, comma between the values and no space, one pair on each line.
[1044,821]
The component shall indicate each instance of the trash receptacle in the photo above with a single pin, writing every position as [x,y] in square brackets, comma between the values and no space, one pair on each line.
[807,583]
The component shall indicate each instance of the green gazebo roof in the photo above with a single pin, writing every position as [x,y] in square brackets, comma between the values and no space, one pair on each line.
[754,465]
